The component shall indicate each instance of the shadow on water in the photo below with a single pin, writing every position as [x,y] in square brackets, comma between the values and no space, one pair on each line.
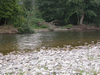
[21,42]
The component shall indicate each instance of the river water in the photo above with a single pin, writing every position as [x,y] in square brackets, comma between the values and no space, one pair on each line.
[29,42]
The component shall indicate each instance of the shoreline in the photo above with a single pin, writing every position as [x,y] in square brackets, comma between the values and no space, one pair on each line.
[8,29]
[12,30]
[46,30]
[57,29]
[84,60]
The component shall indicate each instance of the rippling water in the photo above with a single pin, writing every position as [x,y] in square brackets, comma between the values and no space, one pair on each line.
[20,42]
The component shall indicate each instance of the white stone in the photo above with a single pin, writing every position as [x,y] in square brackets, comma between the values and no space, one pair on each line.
[0,66]
[1,61]
[68,61]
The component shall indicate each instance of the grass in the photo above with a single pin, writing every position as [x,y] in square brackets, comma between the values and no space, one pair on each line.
[45,68]
[8,74]
[40,27]
[67,26]
[54,73]
[21,73]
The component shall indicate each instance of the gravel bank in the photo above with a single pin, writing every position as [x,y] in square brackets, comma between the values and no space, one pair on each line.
[53,61]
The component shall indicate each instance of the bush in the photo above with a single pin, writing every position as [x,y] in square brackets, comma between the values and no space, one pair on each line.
[25,29]
[33,21]
[19,21]
[68,26]
[44,26]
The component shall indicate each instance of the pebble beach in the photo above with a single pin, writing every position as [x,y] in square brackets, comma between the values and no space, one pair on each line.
[82,60]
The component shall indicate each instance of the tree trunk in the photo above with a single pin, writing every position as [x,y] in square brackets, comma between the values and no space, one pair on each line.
[5,22]
[78,22]
[82,18]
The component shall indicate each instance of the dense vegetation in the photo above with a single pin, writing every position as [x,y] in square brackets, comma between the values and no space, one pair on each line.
[10,12]
[27,14]
[20,13]
[71,11]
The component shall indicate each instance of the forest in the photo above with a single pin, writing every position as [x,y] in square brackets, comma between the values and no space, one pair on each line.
[49,37]
[29,14]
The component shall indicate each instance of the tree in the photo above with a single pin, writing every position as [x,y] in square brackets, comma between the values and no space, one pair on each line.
[64,9]
[9,10]
[31,14]
[84,7]
[51,9]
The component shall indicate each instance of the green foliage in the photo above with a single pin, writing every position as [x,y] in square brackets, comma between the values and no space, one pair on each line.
[84,7]
[32,14]
[54,73]
[19,21]
[90,13]
[28,4]
[21,73]
[32,17]
[51,9]
[40,26]
[70,25]
[45,67]
[25,29]
[67,26]
[28,14]
[69,10]
[10,11]
[8,74]
[44,26]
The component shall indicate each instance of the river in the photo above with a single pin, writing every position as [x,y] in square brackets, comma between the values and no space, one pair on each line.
[30,42]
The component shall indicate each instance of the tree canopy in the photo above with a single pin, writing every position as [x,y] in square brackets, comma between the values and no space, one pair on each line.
[28,13]
[9,10]
[69,10]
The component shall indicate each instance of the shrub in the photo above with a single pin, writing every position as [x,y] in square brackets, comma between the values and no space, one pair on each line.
[25,29]
[44,26]
[19,21]
[67,26]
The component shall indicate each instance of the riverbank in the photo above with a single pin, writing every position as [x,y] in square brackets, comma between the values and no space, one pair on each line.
[73,28]
[82,60]
[9,29]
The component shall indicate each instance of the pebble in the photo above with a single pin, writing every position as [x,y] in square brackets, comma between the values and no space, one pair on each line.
[0,66]
[52,62]
[1,61]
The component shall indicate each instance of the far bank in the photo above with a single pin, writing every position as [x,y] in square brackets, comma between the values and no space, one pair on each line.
[9,29]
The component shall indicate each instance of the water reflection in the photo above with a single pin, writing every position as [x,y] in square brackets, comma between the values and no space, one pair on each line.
[22,42]
[7,43]
[29,41]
